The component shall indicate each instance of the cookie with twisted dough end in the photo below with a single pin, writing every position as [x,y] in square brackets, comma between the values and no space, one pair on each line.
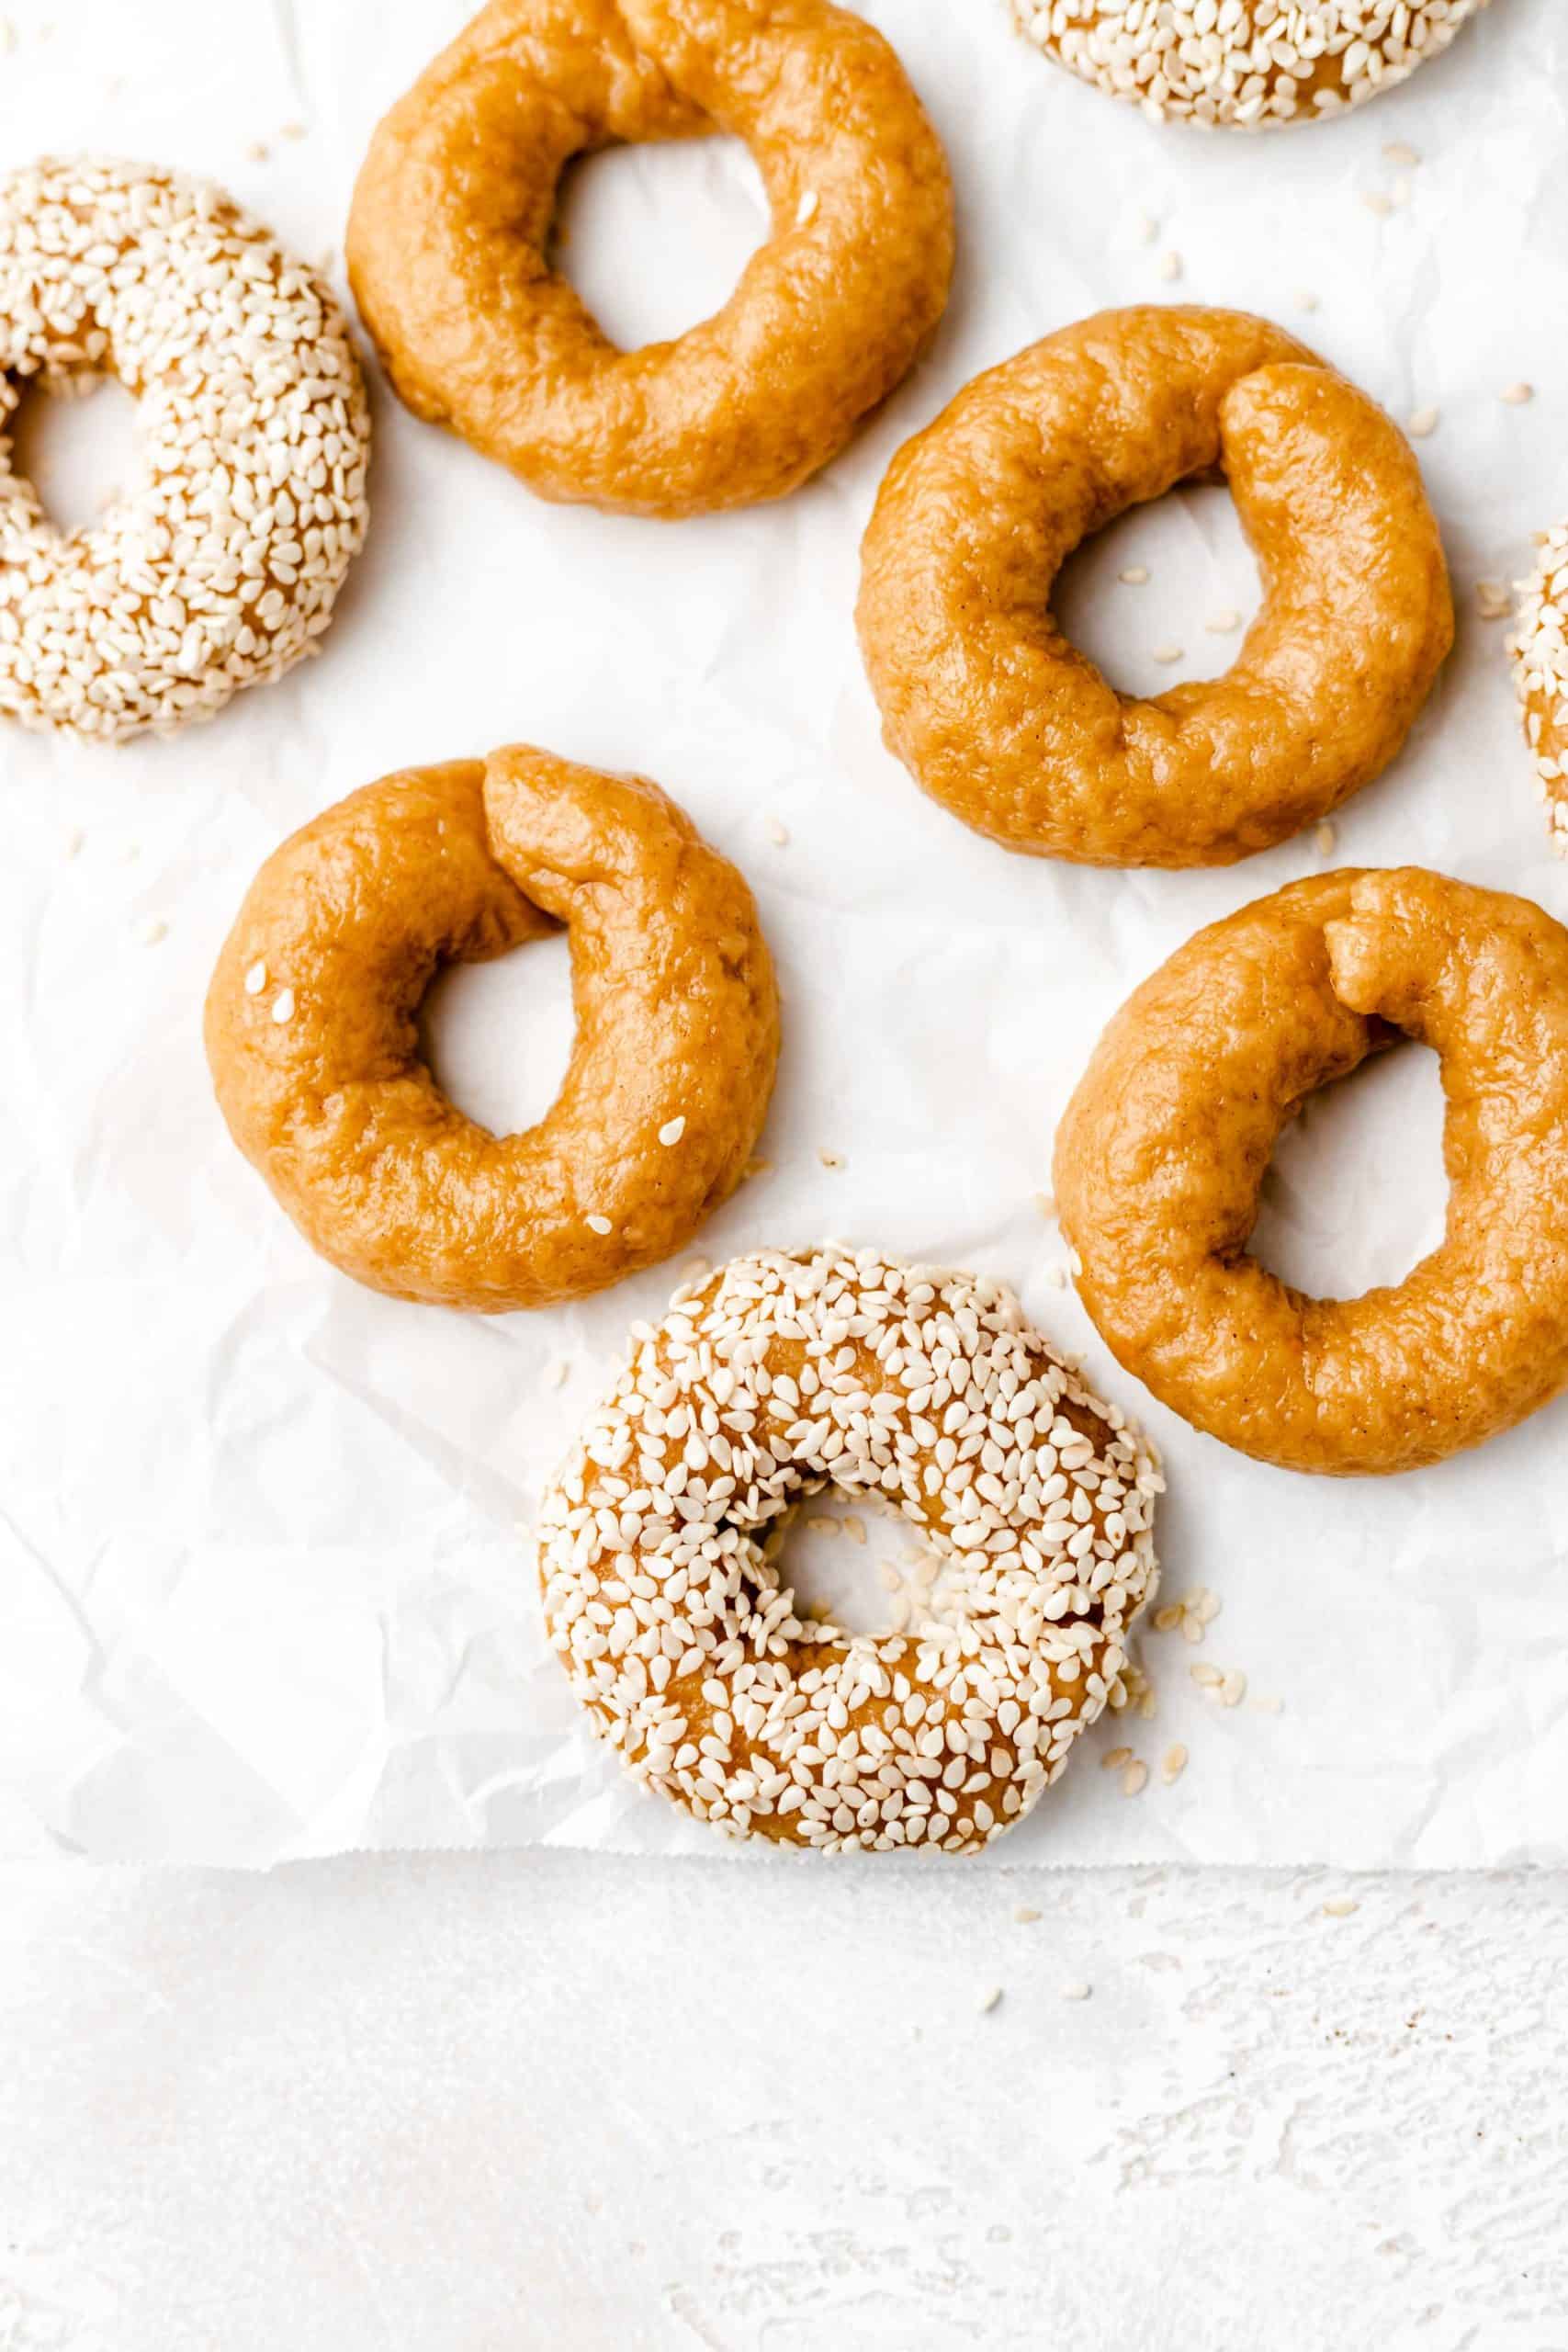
[448,233]
[781,1375]
[1164,1147]
[999,717]
[313,1041]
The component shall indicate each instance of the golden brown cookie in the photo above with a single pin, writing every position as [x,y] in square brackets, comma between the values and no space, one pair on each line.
[1166,1141]
[924,1391]
[313,1037]
[453,210]
[1250,64]
[993,711]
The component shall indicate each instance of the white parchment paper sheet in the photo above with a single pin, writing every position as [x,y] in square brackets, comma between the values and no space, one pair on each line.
[262,1591]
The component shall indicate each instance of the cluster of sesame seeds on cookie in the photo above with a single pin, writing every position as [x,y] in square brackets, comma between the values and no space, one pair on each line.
[1539,650]
[220,567]
[765,1382]
[1248,65]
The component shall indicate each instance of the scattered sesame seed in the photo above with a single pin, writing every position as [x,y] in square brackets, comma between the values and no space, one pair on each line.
[1324,839]
[1425,421]
[1135,1779]
[1170,267]
[829,1159]
[672,1131]
[806,210]
[1173,1763]
[1245,66]
[152,931]
[1168,653]
[1056,1274]
[1399,194]
[1114,1758]
[292,130]
[1397,151]
[1233,1690]
[1376,201]
[600,1225]
[256,152]
[1492,600]
[1207,1677]
[1517,395]
[1221,624]
[778,833]
[70,841]
[1168,1616]
[221,569]
[256,978]
[282,1006]
[1026,1915]
[1079,1992]
[989,1999]
[1135,575]
[755,1168]
[559,1373]
[1148,228]
[1046,1204]
[1306,300]
[1340,1907]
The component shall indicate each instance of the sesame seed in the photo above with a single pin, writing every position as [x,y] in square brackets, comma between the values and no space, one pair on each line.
[1026,1916]
[1376,201]
[1492,600]
[1397,151]
[989,1999]
[778,833]
[1424,421]
[70,841]
[806,210]
[1135,1779]
[1306,299]
[1046,1204]
[672,1131]
[1056,1274]
[1170,267]
[1148,228]
[1114,1758]
[829,1159]
[755,1168]
[1399,194]
[1168,653]
[559,1373]
[1340,1907]
[600,1225]
[1233,1688]
[256,978]
[292,130]
[1517,395]
[221,570]
[256,152]
[152,931]
[1223,623]
[1249,67]
[1135,575]
[1076,1992]
[1207,1677]
[1325,838]
[1173,1763]
[282,1006]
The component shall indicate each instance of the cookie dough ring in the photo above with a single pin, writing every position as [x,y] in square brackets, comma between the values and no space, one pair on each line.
[1539,650]
[453,207]
[999,717]
[1265,65]
[220,568]
[782,1375]
[1166,1141]
[313,1037]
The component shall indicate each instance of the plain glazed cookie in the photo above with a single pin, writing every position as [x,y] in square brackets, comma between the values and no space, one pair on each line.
[1165,1144]
[1248,65]
[998,716]
[220,568]
[313,1041]
[780,1376]
[452,213]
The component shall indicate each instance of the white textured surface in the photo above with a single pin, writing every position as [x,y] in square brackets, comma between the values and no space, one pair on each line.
[461,2104]
[261,1587]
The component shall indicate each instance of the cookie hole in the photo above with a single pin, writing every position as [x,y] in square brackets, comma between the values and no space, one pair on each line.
[877,1580]
[498,1036]
[1200,570]
[1355,1196]
[78,443]
[654,238]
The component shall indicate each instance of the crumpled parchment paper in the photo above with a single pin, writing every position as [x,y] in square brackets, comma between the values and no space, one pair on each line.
[263,1591]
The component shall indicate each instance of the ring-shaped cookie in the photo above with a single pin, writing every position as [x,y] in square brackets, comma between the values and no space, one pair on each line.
[999,717]
[446,245]
[1166,1141]
[313,1043]
[220,567]
[777,1376]
[1539,650]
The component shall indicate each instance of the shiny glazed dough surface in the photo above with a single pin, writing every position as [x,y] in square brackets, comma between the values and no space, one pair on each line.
[997,715]
[1166,1141]
[313,1041]
[451,217]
